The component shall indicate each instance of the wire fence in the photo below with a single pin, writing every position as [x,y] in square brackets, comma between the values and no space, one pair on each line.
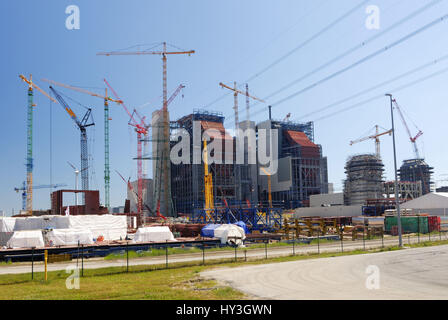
[169,255]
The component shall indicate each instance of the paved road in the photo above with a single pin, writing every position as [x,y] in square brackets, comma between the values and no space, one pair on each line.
[95,263]
[419,273]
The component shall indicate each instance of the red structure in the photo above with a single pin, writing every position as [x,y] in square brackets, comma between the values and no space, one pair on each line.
[91,206]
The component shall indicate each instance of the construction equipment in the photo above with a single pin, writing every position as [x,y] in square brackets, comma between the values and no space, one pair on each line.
[269,186]
[29,139]
[76,171]
[235,107]
[235,95]
[208,183]
[140,129]
[82,126]
[288,116]
[106,132]
[163,155]
[24,190]
[412,138]
[135,195]
[375,137]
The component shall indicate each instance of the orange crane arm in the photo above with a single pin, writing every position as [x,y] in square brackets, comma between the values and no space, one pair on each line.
[371,137]
[80,90]
[30,83]
[240,92]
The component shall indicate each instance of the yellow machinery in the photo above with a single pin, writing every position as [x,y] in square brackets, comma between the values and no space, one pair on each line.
[269,186]
[208,185]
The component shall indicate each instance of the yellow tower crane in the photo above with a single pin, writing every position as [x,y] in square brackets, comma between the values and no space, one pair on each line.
[376,137]
[269,186]
[208,185]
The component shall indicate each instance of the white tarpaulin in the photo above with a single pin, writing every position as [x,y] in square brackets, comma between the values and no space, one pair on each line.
[230,233]
[153,234]
[109,226]
[65,237]
[26,239]
[6,229]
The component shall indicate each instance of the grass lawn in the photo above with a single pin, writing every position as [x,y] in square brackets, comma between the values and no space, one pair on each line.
[148,282]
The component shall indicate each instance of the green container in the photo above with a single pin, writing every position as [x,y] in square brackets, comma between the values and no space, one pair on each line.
[408,224]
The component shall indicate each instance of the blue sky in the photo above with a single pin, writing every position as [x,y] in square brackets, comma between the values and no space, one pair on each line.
[233,40]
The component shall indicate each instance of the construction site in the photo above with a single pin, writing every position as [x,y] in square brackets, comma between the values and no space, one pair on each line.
[282,159]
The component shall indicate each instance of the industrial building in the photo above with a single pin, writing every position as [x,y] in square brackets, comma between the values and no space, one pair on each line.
[364,179]
[417,170]
[302,169]
[187,179]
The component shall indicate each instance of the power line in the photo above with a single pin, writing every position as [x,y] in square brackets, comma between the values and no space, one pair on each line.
[353,49]
[300,46]
[403,75]
[405,86]
[366,58]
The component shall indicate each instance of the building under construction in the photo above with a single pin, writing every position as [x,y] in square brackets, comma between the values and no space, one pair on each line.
[187,179]
[364,179]
[302,169]
[415,170]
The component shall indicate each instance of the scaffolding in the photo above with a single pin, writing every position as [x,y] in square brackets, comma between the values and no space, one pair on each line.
[187,180]
[265,219]
[364,179]
[414,170]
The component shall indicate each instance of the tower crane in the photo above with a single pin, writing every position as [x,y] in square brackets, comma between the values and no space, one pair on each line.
[162,173]
[140,129]
[269,186]
[106,132]
[236,92]
[412,138]
[208,184]
[24,190]
[29,140]
[82,126]
[375,137]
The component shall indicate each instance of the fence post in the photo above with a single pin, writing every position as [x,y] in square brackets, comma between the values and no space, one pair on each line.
[363,236]
[266,248]
[440,235]
[318,241]
[45,262]
[418,227]
[293,244]
[77,257]
[245,256]
[166,253]
[203,254]
[127,257]
[32,263]
[236,258]
[341,235]
[82,260]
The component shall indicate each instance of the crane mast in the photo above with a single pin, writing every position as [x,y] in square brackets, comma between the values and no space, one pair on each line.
[82,126]
[29,140]
[162,173]
[106,132]
[375,137]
